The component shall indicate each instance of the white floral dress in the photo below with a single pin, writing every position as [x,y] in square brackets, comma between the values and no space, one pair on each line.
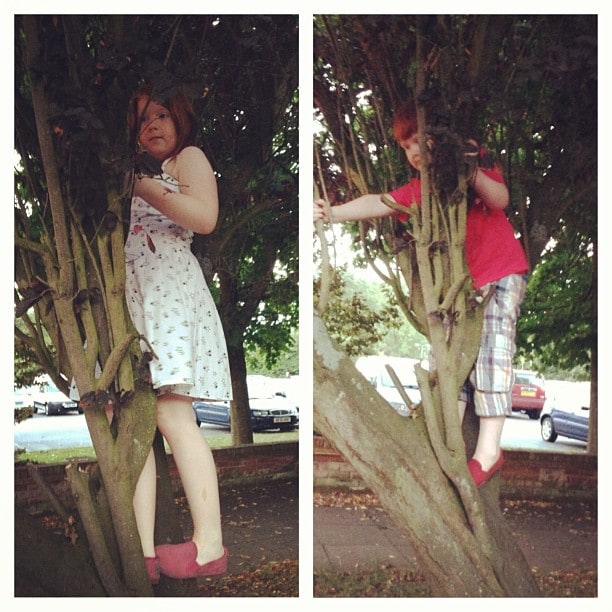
[171,306]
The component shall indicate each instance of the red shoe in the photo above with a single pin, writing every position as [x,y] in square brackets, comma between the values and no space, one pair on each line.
[179,561]
[479,475]
[152,569]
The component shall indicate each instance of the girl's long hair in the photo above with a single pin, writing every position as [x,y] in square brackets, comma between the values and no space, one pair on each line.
[181,110]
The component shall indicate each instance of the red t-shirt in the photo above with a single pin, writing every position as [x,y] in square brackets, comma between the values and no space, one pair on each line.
[491,248]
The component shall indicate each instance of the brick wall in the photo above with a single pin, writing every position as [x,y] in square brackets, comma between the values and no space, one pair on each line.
[235,465]
[525,475]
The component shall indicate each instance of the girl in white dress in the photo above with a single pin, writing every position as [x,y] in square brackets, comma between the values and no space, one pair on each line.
[172,307]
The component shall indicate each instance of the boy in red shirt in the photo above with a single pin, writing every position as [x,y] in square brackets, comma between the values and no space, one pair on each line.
[497,263]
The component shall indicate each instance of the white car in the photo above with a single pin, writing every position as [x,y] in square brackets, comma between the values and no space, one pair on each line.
[49,399]
[22,398]
[374,368]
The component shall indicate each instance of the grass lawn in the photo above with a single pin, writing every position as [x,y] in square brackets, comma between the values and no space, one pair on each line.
[215,440]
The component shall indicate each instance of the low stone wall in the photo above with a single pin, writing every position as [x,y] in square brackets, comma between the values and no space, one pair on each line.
[235,465]
[525,475]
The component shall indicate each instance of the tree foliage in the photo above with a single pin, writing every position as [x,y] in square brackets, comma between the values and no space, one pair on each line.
[352,323]
[528,91]
[560,287]
[253,140]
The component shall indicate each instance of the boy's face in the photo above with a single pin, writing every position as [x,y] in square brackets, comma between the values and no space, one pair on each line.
[412,150]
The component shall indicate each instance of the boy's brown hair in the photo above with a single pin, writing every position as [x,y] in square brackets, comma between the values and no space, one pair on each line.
[405,121]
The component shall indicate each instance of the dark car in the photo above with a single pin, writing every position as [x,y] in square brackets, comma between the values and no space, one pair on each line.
[568,424]
[568,414]
[270,409]
[528,395]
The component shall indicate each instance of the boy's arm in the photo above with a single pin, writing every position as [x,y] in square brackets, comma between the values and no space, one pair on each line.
[368,206]
[493,193]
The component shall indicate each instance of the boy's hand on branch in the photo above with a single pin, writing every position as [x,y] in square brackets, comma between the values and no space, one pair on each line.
[471,153]
[319,211]
[471,150]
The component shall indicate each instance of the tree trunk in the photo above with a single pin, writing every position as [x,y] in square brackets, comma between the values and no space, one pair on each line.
[121,449]
[111,525]
[594,407]
[168,524]
[242,432]
[463,552]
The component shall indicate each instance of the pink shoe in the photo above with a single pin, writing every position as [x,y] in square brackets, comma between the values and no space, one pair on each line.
[152,569]
[179,561]
[479,475]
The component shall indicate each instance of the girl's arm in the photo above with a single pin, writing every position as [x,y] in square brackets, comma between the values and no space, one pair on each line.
[195,206]
[367,206]
[494,194]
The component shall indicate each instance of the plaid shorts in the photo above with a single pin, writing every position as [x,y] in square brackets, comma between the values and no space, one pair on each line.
[491,379]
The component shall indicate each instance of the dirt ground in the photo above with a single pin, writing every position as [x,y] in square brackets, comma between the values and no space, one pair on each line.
[260,523]
[261,529]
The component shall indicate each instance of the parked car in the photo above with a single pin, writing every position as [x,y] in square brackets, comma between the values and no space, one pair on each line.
[528,394]
[374,368]
[49,399]
[24,404]
[270,409]
[567,414]
[22,398]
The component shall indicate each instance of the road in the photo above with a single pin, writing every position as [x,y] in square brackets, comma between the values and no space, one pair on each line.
[45,433]
[522,433]
[66,431]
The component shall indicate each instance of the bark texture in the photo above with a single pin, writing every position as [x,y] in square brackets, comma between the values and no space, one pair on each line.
[460,540]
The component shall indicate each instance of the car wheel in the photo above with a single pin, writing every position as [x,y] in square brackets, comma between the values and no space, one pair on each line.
[533,414]
[548,431]
[46,409]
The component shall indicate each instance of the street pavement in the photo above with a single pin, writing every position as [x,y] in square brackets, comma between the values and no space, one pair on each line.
[554,536]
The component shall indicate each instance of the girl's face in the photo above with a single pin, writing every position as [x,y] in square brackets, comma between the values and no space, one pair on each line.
[157,129]
[412,150]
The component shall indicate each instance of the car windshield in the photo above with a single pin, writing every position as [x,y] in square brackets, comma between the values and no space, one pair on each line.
[260,387]
[526,378]
[48,388]
[406,377]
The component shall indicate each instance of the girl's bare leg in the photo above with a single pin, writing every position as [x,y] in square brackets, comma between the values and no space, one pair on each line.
[196,467]
[144,505]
